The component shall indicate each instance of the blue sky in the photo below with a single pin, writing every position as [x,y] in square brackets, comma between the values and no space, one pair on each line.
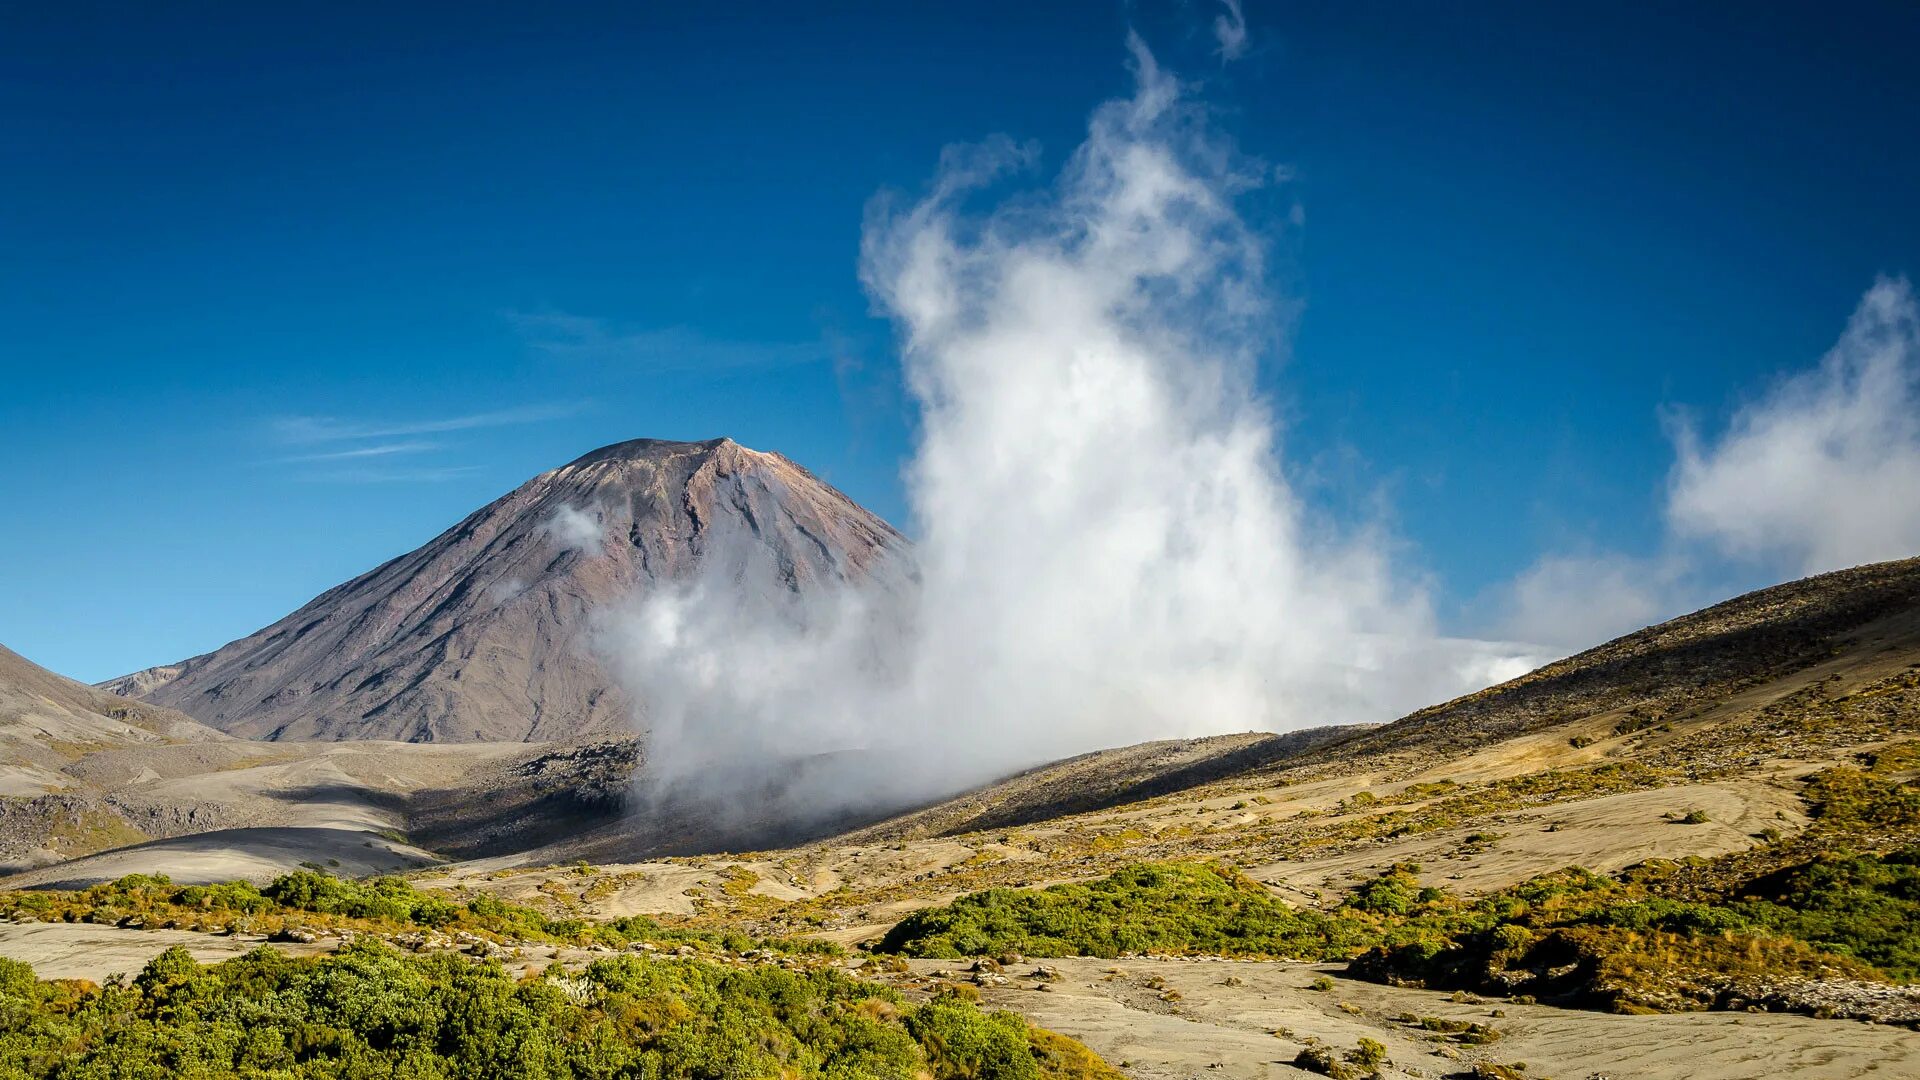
[487,239]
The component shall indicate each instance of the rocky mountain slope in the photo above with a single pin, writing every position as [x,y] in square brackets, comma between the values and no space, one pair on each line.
[1805,671]
[484,634]
[92,783]
[48,721]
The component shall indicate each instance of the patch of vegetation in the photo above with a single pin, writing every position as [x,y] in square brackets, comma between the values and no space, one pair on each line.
[1573,936]
[1467,1032]
[1358,1063]
[737,881]
[1591,940]
[1862,804]
[76,749]
[1862,906]
[1900,757]
[1635,720]
[373,1011]
[317,900]
[87,830]
[1174,908]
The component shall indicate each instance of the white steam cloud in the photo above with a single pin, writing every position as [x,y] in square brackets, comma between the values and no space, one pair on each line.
[1569,602]
[1823,472]
[573,529]
[1820,473]
[1109,550]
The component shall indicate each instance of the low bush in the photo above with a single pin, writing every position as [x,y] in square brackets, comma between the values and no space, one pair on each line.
[1571,935]
[372,1011]
[1174,908]
[386,904]
[1589,940]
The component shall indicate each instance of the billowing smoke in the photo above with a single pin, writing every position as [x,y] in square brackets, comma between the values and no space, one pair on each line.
[1108,549]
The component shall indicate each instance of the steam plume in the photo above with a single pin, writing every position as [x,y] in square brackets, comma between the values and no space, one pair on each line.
[1108,548]
[572,528]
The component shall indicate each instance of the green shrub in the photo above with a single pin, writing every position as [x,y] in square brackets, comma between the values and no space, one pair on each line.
[962,1041]
[372,1011]
[1147,908]
[380,903]
[1863,906]
[1847,799]
[1664,936]
[1322,1060]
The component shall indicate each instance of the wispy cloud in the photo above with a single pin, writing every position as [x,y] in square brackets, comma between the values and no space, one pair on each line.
[322,429]
[1822,472]
[563,336]
[1566,602]
[1230,30]
[1818,473]
[426,474]
[347,450]
[379,450]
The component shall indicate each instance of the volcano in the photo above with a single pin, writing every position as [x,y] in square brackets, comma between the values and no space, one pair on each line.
[486,632]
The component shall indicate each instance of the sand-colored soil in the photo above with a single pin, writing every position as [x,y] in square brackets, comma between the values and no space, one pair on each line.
[1232,1019]
[86,951]
[256,855]
[227,809]
[1216,1029]
[1604,835]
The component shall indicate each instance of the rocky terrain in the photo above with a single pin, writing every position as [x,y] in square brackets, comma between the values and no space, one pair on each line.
[484,634]
[93,786]
[1703,745]
[47,721]
[1709,751]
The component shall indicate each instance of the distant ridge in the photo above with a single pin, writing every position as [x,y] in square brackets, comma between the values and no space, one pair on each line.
[482,634]
[1682,667]
[47,720]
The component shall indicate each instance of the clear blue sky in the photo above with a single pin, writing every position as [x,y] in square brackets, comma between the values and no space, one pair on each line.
[1529,227]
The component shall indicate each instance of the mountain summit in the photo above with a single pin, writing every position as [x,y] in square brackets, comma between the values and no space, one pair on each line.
[483,634]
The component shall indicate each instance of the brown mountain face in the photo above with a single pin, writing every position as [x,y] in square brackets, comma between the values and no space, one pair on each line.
[484,634]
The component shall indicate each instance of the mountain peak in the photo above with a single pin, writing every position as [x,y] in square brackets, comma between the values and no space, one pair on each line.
[484,632]
[650,450]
